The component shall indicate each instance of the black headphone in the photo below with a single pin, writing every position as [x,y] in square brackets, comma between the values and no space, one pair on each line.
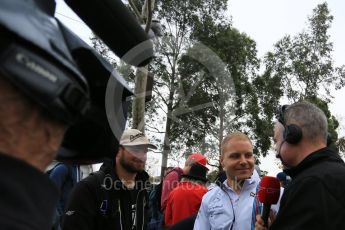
[292,133]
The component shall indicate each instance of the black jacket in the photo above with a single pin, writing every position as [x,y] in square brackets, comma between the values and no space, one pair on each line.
[315,199]
[102,202]
[27,197]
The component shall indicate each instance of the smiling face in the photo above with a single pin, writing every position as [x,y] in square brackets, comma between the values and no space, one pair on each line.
[237,159]
[133,158]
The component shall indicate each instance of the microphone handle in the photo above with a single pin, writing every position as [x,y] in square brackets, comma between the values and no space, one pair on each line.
[266,213]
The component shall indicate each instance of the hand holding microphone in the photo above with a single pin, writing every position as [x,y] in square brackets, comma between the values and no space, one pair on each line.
[268,194]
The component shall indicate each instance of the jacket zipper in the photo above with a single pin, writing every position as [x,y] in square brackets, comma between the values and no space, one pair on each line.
[144,203]
[119,205]
[143,213]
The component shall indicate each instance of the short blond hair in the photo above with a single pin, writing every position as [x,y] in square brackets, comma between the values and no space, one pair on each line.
[235,135]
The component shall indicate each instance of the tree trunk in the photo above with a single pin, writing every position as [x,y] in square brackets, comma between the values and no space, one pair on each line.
[139,99]
[221,127]
[166,146]
[141,74]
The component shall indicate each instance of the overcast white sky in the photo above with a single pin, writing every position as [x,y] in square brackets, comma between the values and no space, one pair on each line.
[265,21]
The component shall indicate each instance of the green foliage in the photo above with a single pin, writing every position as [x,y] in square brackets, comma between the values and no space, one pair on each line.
[304,62]
[184,14]
[180,92]
[103,49]
[269,92]
[263,173]
[235,101]
[199,96]
[341,145]
[301,68]
[212,176]
[201,106]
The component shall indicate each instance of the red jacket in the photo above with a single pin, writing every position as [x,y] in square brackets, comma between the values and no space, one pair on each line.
[183,201]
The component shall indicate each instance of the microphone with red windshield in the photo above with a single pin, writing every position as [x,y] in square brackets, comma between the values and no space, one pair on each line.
[268,194]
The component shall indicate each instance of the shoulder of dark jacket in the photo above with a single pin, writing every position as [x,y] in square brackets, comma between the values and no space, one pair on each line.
[319,156]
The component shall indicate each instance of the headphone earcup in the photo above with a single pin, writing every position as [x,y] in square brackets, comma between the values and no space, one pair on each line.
[292,134]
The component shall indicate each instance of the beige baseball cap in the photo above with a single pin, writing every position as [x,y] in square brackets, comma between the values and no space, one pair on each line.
[133,137]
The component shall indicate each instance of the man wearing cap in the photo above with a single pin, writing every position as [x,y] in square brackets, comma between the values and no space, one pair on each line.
[116,196]
[185,199]
[172,179]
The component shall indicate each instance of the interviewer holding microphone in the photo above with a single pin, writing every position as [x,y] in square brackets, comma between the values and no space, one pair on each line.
[315,197]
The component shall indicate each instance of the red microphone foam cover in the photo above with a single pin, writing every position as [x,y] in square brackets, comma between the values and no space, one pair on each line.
[269,190]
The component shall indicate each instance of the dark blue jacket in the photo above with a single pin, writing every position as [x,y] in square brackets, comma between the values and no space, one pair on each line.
[64,177]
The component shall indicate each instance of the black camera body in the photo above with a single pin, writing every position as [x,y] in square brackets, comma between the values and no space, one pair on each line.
[87,140]
[35,58]
[56,69]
